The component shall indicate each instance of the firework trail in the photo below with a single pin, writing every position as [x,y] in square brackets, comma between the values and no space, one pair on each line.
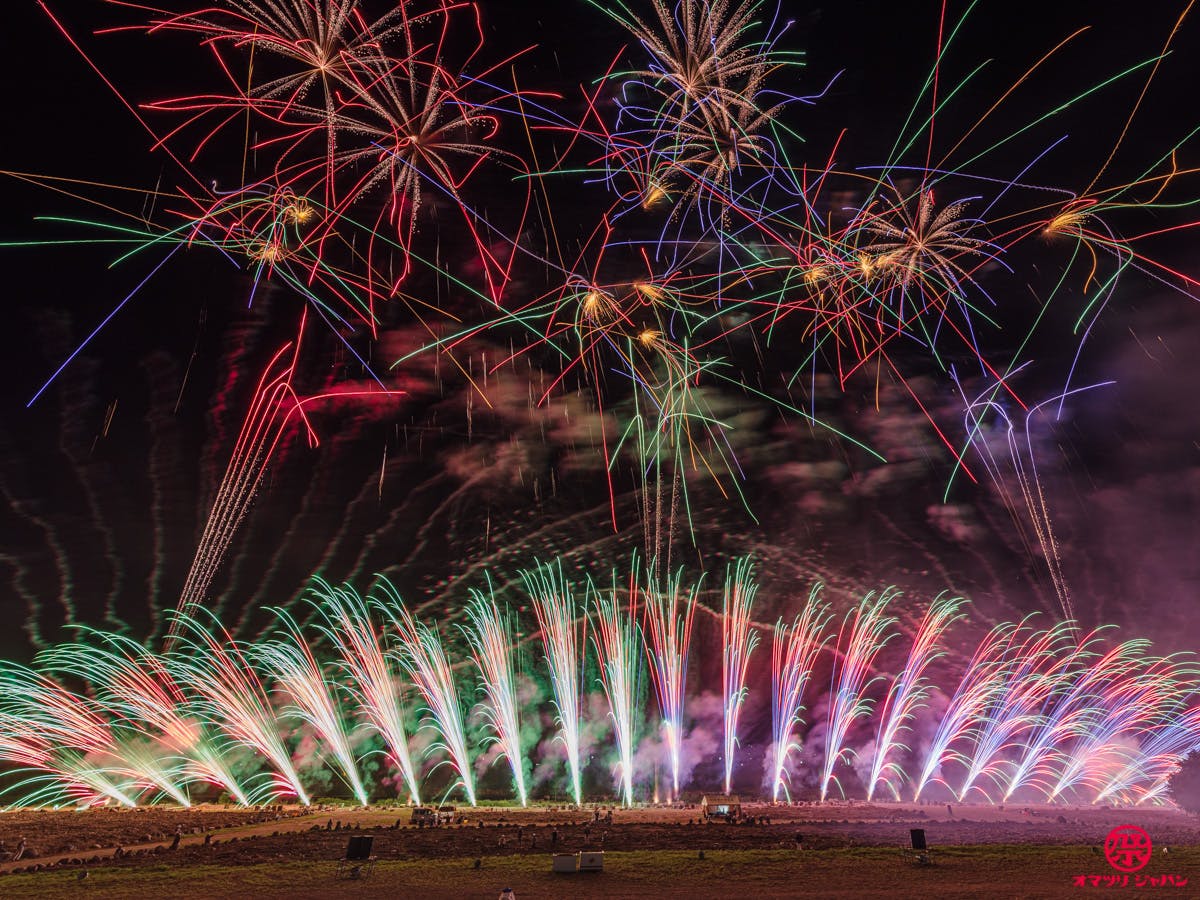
[490,637]
[560,623]
[618,642]
[264,426]
[422,655]
[373,683]
[794,651]
[907,693]
[140,689]
[230,695]
[1020,466]
[738,641]
[669,615]
[290,662]
[864,633]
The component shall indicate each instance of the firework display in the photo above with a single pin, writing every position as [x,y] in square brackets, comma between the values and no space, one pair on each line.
[591,318]
[1040,713]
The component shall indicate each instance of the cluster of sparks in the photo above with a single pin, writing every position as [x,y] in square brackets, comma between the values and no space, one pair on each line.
[713,228]
[1038,712]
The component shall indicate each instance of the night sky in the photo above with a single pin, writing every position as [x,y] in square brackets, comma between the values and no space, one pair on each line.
[106,481]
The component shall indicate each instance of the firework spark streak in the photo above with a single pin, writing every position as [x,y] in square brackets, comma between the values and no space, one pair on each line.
[794,651]
[669,615]
[490,637]
[863,634]
[738,641]
[559,620]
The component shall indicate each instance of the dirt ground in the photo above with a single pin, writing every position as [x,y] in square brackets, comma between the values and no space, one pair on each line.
[973,844]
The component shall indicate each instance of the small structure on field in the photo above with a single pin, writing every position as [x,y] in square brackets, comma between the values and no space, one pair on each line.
[721,806]
[584,861]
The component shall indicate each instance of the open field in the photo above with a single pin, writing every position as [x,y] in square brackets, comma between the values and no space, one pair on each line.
[848,851]
[960,872]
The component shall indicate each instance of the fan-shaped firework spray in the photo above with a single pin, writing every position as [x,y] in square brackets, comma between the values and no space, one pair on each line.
[60,739]
[1039,663]
[1074,705]
[1144,705]
[618,642]
[363,656]
[490,637]
[669,614]
[230,694]
[290,661]
[863,634]
[983,680]
[423,656]
[908,691]
[794,651]
[738,641]
[1145,776]
[560,624]
[138,687]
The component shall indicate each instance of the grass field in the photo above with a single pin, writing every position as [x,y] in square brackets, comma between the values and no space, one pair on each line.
[959,872]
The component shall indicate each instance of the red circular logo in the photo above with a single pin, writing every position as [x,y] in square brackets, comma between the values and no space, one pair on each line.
[1127,848]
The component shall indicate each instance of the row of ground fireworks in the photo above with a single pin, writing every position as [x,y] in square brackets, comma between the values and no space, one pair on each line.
[1049,713]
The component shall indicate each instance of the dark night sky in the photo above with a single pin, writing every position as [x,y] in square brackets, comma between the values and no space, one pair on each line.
[100,522]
